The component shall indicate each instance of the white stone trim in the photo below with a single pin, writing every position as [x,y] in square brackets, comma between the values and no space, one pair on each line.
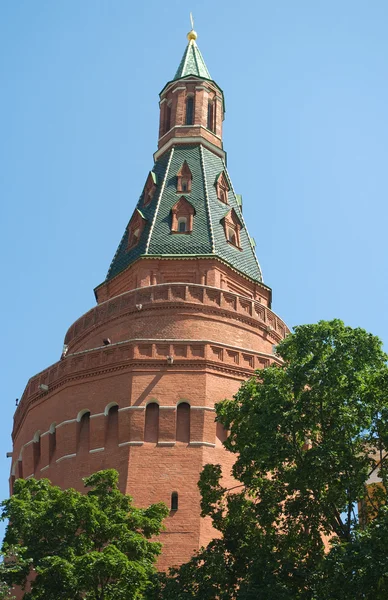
[96,450]
[124,444]
[209,444]
[209,408]
[97,415]
[29,476]
[167,407]
[166,443]
[44,468]
[66,456]
[66,422]
[181,87]
[159,200]
[131,408]
[189,140]
[136,443]
[44,433]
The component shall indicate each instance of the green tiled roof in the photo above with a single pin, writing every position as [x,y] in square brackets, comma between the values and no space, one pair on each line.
[208,237]
[192,63]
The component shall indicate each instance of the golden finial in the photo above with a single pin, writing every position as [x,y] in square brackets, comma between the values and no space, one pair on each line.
[192,35]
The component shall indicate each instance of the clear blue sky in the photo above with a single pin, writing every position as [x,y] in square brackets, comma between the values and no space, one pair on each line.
[306,133]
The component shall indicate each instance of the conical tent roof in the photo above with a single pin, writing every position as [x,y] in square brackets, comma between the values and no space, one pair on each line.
[192,63]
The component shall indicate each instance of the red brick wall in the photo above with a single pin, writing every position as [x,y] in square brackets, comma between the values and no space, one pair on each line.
[151,417]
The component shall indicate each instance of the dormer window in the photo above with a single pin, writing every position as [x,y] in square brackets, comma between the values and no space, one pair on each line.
[149,188]
[135,229]
[232,227]
[189,110]
[184,179]
[222,187]
[182,217]
[134,236]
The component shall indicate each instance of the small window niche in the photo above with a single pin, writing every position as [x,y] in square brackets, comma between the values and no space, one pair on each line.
[149,188]
[135,229]
[210,115]
[222,187]
[174,501]
[189,110]
[184,179]
[182,214]
[232,227]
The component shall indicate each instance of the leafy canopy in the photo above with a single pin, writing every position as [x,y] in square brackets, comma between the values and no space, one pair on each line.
[307,435]
[81,546]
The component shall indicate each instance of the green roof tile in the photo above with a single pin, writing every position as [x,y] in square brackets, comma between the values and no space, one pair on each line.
[208,236]
[192,63]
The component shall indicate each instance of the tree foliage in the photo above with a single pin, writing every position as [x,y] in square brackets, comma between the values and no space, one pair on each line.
[307,435]
[80,546]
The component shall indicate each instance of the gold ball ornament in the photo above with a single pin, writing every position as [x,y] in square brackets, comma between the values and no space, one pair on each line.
[192,35]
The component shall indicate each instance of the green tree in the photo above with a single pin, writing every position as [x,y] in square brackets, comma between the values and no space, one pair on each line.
[94,545]
[307,435]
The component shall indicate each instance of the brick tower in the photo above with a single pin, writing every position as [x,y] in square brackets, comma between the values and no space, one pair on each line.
[182,318]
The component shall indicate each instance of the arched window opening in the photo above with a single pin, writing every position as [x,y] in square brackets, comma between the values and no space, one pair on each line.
[174,501]
[183,422]
[52,442]
[210,115]
[190,110]
[223,195]
[83,433]
[112,427]
[184,185]
[232,236]
[134,236]
[151,428]
[182,224]
[36,449]
[167,123]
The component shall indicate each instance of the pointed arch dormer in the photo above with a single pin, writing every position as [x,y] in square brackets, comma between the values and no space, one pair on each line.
[232,226]
[135,228]
[182,214]
[150,188]
[222,187]
[184,179]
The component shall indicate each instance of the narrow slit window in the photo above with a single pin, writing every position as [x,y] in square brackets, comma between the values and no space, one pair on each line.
[190,110]
[174,501]
[210,116]
[167,126]
[183,422]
